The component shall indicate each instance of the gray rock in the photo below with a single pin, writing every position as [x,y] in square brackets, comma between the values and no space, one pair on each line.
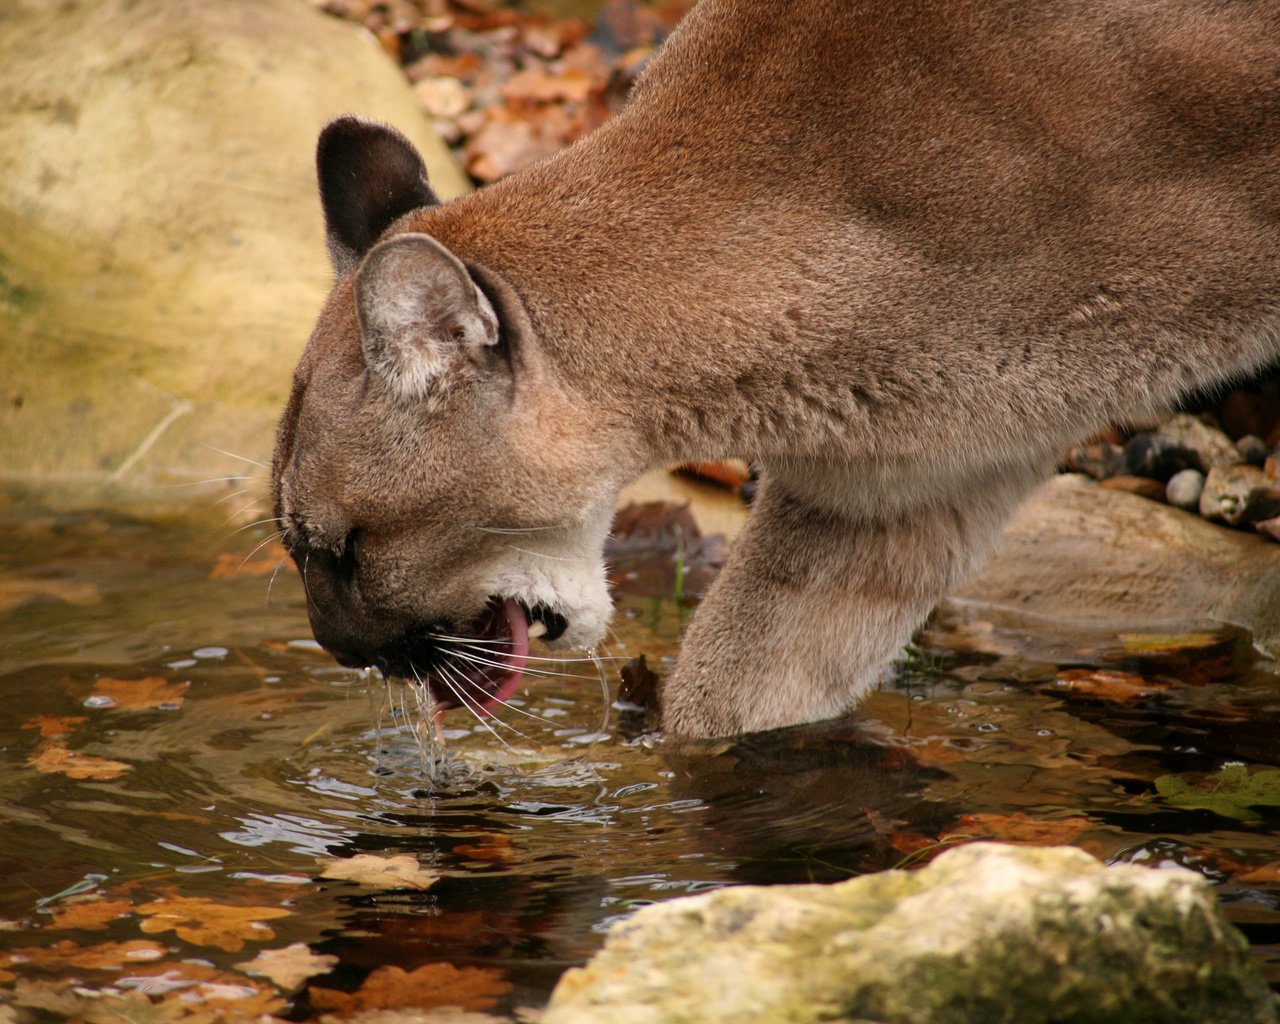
[1211,446]
[1252,449]
[1239,495]
[1183,490]
[988,933]
[1075,552]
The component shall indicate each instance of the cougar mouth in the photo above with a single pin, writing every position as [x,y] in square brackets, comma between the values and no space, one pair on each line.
[478,667]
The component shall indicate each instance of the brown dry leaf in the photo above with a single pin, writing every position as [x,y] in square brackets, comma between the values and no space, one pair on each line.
[1266,874]
[494,849]
[440,1015]
[139,694]
[53,727]
[289,967]
[399,872]
[205,923]
[910,842]
[730,473]
[507,142]
[1109,684]
[1165,643]
[263,562]
[60,1000]
[107,956]
[54,757]
[540,85]
[1019,828]
[89,915]
[16,591]
[430,986]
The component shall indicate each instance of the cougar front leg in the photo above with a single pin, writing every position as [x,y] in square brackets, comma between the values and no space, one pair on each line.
[814,603]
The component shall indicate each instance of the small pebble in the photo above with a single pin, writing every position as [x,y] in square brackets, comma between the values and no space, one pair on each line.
[1253,450]
[1183,490]
[1158,457]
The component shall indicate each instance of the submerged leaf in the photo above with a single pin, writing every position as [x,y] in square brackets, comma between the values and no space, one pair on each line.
[430,986]
[140,694]
[1231,791]
[399,872]
[289,967]
[205,923]
[1019,828]
[54,757]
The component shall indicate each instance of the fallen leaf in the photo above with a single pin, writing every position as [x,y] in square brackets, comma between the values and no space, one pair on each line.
[440,1015]
[730,473]
[80,1003]
[1164,643]
[493,849]
[65,953]
[1109,684]
[139,694]
[16,591]
[1019,828]
[1266,874]
[205,923]
[289,967]
[430,986]
[399,872]
[89,915]
[263,562]
[54,757]
[53,727]
[539,85]
[1231,791]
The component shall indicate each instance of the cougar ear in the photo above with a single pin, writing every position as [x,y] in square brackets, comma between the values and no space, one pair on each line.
[418,307]
[369,176]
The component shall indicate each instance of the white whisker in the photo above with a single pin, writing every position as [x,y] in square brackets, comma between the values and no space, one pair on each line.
[543,554]
[475,659]
[241,458]
[517,529]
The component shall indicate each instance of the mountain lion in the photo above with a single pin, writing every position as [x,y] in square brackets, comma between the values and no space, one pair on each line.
[898,254]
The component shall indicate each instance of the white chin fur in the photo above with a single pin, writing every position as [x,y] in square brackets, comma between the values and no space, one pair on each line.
[560,577]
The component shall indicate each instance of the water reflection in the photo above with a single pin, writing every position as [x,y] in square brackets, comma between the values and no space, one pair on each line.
[170,733]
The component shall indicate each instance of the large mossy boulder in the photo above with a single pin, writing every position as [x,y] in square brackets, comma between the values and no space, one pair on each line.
[987,932]
[161,243]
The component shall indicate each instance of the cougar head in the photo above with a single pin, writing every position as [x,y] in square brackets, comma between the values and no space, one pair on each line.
[433,479]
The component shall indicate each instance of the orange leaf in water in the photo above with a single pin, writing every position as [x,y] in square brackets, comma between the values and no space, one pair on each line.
[1266,874]
[205,923]
[262,562]
[391,988]
[54,757]
[89,915]
[1108,684]
[53,727]
[138,694]
[107,956]
[1019,828]
[496,849]
[399,872]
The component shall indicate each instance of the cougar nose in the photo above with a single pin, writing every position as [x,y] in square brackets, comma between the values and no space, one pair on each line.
[336,621]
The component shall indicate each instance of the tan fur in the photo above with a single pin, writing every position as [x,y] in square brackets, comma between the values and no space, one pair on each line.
[897,254]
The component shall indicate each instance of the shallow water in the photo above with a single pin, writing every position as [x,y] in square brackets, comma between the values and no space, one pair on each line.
[170,732]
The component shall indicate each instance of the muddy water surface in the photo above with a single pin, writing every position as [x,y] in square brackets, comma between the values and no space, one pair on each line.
[180,764]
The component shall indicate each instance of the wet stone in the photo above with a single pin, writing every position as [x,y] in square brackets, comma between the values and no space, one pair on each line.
[1253,450]
[1211,446]
[1100,461]
[1158,457]
[1184,488]
[1239,496]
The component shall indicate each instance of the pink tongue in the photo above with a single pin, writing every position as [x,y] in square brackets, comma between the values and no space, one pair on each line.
[514,657]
